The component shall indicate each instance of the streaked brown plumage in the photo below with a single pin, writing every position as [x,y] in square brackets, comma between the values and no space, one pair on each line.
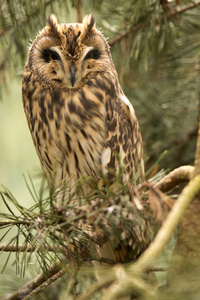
[77,113]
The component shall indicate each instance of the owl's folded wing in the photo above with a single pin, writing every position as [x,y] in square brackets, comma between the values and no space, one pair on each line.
[123,147]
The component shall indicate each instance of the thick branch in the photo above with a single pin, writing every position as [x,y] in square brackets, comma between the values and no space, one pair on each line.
[163,17]
[132,285]
[174,178]
[168,227]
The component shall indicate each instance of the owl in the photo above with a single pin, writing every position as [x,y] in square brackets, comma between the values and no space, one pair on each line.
[79,118]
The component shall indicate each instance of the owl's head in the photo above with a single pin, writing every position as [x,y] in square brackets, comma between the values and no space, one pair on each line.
[68,55]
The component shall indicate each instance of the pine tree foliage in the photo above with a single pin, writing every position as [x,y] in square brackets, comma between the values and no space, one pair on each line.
[63,230]
[156,49]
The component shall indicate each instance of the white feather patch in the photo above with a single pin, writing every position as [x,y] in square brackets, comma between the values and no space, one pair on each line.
[105,159]
[128,103]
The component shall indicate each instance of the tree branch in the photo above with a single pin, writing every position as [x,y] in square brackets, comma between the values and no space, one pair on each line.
[174,178]
[33,284]
[45,284]
[167,16]
[96,287]
[127,286]
[29,248]
[168,227]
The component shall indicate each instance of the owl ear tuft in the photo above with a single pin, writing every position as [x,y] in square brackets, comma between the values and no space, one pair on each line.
[89,22]
[88,27]
[52,22]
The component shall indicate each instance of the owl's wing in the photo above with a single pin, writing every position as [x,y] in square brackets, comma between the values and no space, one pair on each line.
[123,147]
[123,150]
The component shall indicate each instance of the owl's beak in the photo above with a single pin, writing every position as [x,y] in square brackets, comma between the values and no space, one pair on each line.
[72,70]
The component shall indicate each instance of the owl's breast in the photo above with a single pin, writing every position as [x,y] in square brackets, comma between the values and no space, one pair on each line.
[69,131]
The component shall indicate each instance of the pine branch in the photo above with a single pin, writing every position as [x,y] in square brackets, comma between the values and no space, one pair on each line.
[174,178]
[33,284]
[99,285]
[45,284]
[29,248]
[129,285]
[167,16]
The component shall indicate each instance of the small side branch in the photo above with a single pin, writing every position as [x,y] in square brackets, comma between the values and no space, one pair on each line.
[45,284]
[29,248]
[33,284]
[164,17]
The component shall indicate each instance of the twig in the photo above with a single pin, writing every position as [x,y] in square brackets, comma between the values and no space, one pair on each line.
[33,284]
[14,222]
[168,227]
[29,248]
[174,178]
[163,17]
[128,286]
[96,287]
[45,284]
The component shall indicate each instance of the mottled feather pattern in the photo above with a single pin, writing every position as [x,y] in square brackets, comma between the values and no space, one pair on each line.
[80,120]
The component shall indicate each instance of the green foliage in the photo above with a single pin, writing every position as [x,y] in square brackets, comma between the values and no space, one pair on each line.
[42,228]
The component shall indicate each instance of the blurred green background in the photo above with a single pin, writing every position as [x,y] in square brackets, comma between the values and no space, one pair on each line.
[17,153]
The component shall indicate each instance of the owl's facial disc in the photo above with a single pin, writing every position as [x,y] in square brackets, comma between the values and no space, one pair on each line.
[68,70]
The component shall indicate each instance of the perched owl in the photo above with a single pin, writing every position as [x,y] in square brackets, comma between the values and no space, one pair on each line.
[80,120]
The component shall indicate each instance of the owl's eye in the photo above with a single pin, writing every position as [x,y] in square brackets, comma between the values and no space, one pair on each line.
[50,55]
[92,54]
